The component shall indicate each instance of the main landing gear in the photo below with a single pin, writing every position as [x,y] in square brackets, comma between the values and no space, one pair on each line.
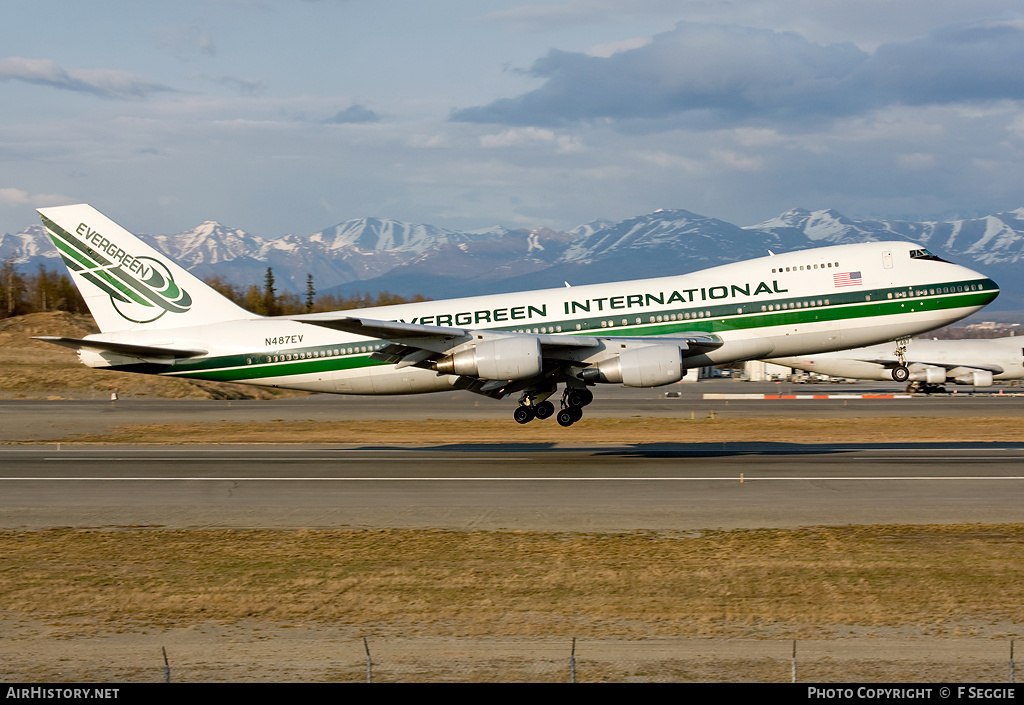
[573,401]
[526,413]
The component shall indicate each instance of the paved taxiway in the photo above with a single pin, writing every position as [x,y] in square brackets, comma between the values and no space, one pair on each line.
[661,487]
[44,420]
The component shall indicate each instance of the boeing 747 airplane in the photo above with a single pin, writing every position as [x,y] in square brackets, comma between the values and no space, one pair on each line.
[926,363]
[157,318]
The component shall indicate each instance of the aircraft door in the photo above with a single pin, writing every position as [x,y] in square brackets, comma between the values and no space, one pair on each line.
[887,260]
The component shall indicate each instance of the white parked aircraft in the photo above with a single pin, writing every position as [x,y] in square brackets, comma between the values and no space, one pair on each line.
[157,318]
[928,363]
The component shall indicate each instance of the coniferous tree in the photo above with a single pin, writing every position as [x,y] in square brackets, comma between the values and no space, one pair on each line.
[270,306]
[12,290]
[310,293]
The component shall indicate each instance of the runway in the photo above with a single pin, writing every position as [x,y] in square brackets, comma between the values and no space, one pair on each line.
[655,487]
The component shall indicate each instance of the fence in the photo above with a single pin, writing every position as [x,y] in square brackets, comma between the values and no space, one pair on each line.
[295,658]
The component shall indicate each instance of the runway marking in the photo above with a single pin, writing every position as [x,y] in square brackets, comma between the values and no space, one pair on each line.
[716,396]
[271,458]
[513,478]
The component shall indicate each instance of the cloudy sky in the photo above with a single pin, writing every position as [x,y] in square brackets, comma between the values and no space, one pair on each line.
[288,116]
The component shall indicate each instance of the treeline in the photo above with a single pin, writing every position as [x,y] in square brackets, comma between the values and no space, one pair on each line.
[48,290]
[32,293]
[267,301]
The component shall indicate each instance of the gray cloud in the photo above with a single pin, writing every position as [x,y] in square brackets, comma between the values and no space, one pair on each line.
[979,62]
[104,83]
[243,86]
[706,74]
[354,114]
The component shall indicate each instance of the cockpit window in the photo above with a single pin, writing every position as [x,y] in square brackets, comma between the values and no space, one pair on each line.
[925,254]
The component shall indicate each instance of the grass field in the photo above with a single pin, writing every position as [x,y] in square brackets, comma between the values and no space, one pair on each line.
[778,583]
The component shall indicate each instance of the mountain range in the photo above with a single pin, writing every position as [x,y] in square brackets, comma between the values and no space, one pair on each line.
[372,255]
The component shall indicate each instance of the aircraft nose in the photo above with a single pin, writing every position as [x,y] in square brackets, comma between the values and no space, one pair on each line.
[981,282]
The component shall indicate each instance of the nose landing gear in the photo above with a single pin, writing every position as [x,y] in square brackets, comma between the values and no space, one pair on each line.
[901,373]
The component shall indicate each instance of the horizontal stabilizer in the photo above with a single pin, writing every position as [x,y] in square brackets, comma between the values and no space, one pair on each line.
[121,348]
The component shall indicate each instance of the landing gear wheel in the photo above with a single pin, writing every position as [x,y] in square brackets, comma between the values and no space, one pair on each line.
[523,414]
[544,409]
[569,416]
[900,373]
[578,398]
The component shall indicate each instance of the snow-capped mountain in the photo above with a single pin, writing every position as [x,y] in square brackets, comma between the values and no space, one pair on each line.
[374,234]
[991,240]
[211,243]
[372,254]
[30,246]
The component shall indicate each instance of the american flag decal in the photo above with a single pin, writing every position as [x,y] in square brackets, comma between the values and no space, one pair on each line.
[847,279]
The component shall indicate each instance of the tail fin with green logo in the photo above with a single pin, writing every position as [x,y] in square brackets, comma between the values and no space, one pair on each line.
[126,283]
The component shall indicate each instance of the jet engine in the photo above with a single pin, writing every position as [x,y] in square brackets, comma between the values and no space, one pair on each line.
[979,378]
[929,374]
[642,366]
[500,358]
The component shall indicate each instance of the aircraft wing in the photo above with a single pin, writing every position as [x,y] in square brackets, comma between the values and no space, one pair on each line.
[121,348]
[440,339]
[437,338]
[413,344]
[994,369]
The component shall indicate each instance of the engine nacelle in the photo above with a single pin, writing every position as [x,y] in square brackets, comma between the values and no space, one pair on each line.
[979,378]
[501,358]
[642,366]
[928,374]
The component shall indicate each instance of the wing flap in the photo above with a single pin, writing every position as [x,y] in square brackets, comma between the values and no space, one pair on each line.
[691,344]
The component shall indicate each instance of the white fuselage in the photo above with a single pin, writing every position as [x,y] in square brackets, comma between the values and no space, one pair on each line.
[928,360]
[791,304]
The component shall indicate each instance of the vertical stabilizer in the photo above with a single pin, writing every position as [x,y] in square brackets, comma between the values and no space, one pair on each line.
[126,283]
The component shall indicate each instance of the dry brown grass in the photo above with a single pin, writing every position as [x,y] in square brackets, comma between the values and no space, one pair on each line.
[589,430]
[782,583]
[32,369]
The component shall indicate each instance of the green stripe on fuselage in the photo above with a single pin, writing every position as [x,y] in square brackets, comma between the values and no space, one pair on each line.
[722,318]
